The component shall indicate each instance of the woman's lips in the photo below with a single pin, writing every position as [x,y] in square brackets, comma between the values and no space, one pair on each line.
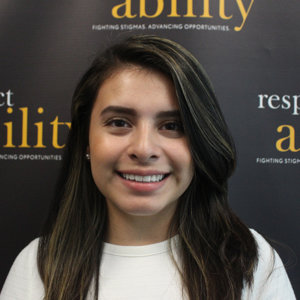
[143,181]
[145,178]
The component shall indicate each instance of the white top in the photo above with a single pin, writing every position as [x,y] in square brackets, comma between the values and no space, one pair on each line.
[145,272]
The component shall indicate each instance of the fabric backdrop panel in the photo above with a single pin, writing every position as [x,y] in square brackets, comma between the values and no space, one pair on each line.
[249,48]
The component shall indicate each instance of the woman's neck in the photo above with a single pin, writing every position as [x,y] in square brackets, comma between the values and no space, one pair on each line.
[131,230]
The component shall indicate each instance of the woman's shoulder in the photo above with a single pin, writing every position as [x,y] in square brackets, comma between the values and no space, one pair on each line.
[265,250]
[23,278]
[26,258]
[270,280]
[29,252]
[269,261]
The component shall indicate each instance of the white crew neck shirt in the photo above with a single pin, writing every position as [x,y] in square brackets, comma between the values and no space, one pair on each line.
[146,272]
[139,272]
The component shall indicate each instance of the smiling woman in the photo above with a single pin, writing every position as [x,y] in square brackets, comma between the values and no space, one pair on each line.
[141,210]
[140,159]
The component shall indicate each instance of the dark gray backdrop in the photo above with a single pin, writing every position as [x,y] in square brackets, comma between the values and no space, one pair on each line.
[46,46]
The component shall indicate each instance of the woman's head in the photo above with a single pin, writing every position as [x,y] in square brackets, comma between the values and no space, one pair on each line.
[210,145]
[209,141]
[209,233]
[139,155]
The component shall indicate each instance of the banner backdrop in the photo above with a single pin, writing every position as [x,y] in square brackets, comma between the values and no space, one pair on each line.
[250,49]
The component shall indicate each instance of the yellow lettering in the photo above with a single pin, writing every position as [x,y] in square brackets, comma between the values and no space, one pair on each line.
[24,111]
[222,11]
[290,138]
[206,13]
[244,13]
[127,12]
[159,9]
[173,9]
[39,125]
[9,131]
[55,125]
[190,10]
[9,143]
[39,141]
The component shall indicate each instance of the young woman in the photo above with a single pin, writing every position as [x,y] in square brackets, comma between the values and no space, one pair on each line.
[141,210]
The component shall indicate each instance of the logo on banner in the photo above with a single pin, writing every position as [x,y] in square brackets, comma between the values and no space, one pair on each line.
[14,131]
[125,10]
[286,138]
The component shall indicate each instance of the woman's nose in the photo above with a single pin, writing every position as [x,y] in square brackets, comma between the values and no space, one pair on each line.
[144,146]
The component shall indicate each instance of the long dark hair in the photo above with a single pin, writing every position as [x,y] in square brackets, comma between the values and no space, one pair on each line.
[218,252]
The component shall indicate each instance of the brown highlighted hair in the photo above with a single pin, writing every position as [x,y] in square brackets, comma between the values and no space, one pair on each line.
[218,252]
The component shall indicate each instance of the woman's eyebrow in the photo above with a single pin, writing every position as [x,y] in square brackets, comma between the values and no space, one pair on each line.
[130,111]
[169,114]
[119,110]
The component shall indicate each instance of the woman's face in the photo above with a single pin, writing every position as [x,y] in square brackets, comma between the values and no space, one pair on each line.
[140,159]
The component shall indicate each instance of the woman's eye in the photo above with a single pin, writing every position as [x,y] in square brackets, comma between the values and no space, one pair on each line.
[118,123]
[173,126]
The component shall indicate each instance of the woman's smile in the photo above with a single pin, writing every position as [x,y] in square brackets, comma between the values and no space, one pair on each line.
[143,182]
[140,159]
[143,176]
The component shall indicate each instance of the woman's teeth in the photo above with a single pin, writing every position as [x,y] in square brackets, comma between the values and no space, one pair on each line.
[147,178]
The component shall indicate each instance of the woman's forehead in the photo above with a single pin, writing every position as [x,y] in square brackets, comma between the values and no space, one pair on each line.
[139,87]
